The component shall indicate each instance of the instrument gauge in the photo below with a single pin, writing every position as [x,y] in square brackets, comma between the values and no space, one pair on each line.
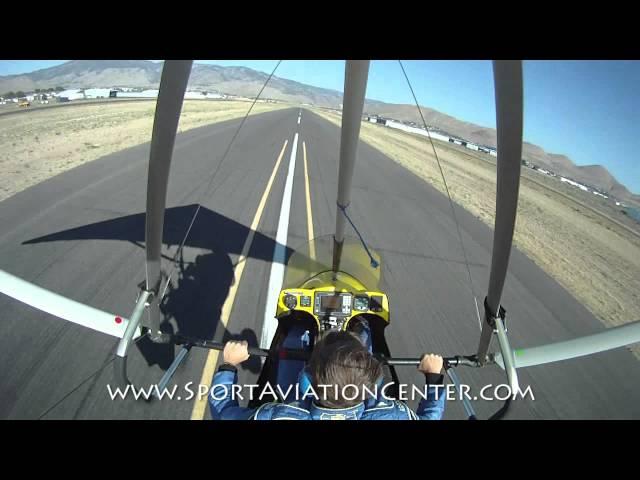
[305,301]
[361,304]
[290,301]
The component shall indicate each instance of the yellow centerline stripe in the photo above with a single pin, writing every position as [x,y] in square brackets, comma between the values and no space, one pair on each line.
[200,404]
[312,247]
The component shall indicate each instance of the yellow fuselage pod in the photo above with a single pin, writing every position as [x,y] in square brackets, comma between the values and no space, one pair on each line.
[368,301]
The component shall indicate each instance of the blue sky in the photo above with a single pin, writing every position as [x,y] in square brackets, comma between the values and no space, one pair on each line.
[587,110]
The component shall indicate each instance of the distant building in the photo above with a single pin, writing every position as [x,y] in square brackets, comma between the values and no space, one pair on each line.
[434,133]
[575,184]
[141,94]
[97,92]
[193,95]
[416,130]
[100,93]
[69,95]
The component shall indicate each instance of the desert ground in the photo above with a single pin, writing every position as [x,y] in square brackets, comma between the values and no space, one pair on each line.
[39,144]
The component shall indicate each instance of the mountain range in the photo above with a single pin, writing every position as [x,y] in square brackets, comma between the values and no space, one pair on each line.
[246,82]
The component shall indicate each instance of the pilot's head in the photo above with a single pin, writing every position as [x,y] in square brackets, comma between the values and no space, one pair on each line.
[340,359]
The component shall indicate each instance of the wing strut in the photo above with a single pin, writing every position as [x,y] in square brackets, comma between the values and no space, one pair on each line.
[509,112]
[355,86]
[173,84]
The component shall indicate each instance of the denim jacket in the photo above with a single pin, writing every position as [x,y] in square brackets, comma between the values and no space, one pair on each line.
[224,405]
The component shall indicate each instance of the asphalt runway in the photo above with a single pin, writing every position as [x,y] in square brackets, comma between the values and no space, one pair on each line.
[81,234]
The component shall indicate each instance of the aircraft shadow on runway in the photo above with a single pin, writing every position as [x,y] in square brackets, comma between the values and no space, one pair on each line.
[199,287]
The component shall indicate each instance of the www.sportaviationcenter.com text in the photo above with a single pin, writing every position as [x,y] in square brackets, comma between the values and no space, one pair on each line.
[268,392]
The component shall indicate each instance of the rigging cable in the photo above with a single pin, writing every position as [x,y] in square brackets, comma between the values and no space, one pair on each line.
[453,211]
[113,357]
[215,172]
[374,262]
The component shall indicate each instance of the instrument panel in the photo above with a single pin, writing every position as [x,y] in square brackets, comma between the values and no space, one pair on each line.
[332,308]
